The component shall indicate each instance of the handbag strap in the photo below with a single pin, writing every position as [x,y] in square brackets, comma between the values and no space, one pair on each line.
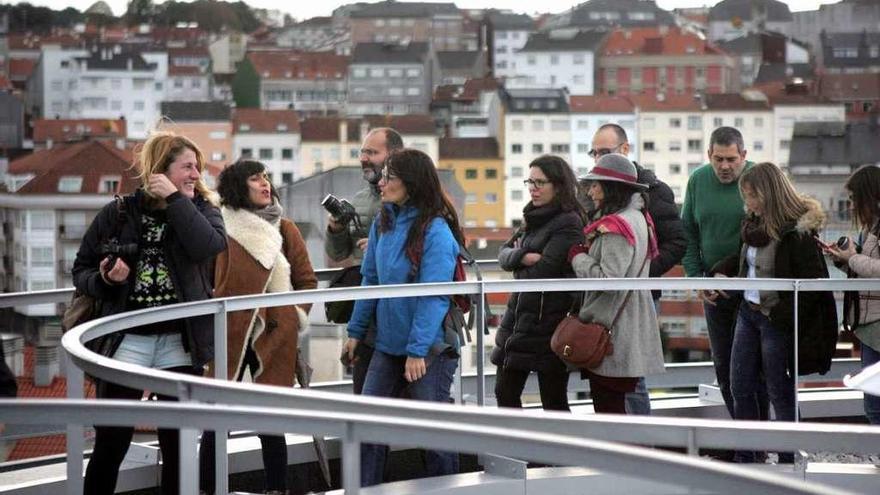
[626,298]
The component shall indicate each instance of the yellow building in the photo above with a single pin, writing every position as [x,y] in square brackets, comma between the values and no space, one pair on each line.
[479,170]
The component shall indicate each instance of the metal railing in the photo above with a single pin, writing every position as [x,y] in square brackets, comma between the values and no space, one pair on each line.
[651,431]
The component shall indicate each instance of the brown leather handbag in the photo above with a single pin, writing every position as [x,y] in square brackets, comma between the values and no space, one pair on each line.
[585,345]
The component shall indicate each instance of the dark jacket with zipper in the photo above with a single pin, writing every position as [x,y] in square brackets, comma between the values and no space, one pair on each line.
[194,236]
[523,338]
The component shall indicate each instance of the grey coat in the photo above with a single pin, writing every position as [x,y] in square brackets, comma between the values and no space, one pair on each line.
[636,335]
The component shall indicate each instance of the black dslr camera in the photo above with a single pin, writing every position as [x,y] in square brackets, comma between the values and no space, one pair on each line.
[341,209]
[114,249]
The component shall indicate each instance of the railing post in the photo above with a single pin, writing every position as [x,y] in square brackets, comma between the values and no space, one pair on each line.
[692,447]
[221,455]
[189,465]
[481,349]
[351,461]
[797,286]
[75,440]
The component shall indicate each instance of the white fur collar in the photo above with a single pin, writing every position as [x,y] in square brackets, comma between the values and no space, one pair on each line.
[258,237]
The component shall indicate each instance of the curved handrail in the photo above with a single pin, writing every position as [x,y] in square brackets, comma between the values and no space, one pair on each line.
[353,428]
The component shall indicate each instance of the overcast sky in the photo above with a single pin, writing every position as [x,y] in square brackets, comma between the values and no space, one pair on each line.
[304,9]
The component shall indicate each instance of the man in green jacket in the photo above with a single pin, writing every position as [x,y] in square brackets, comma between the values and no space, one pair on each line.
[711,215]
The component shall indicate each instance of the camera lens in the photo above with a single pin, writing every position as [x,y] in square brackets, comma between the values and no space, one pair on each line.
[843,242]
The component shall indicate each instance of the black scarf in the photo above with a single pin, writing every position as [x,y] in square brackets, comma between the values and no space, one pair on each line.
[754,232]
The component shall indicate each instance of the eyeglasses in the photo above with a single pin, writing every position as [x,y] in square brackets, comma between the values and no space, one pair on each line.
[596,153]
[387,176]
[536,183]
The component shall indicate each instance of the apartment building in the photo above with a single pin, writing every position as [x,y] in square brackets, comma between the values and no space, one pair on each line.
[789,109]
[207,123]
[506,33]
[311,83]
[557,59]
[604,14]
[391,78]
[189,75]
[859,93]
[850,53]
[535,122]
[731,19]
[479,169]
[851,16]
[588,113]
[464,110]
[439,24]
[270,136]
[100,83]
[668,60]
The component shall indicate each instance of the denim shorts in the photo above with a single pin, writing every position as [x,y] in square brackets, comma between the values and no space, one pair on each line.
[159,351]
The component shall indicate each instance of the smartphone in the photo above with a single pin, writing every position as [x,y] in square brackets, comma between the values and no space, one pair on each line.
[822,243]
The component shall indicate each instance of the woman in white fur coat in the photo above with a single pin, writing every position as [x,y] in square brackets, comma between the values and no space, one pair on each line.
[266,254]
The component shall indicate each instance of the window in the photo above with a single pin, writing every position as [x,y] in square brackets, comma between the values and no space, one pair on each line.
[115,105]
[158,85]
[695,122]
[583,125]
[648,146]
[490,198]
[377,73]
[491,173]
[217,156]
[648,122]
[537,148]
[516,125]
[196,83]
[471,198]
[558,125]
[42,257]
[139,105]
[578,59]
[57,85]
[675,123]
[109,184]
[287,153]
[738,122]
[413,91]
[413,72]
[537,125]
[115,83]
[554,59]
[217,135]
[675,145]
[758,146]
[395,91]
[70,184]
[674,169]
[354,153]
[516,171]
[265,153]
[395,72]
[784,144]
[717,122]
[286,177]
[583,148]
[470,173]
[516,195]
[695,145]
[516,148]
[247,153]
[359,73]
[559,148]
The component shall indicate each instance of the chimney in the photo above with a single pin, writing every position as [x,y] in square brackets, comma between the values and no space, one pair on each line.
[120,143]
[13,352]
[128,63]
[49,143]
[45,364]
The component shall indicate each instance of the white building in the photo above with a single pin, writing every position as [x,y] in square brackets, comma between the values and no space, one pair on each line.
[189,75]
[536,122]
[789,109]
[507,33]
[270,136]
[102,83]
[750,114]
[558,59]
[588,113]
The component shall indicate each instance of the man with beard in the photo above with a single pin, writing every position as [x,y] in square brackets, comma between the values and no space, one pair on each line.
[344,241]
[671,241]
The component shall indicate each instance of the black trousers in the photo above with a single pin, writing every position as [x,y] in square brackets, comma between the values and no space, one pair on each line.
[274,448]
[509,385]
[111,444]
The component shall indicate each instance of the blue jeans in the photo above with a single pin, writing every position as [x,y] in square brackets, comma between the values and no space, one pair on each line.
[872,402]
[385,379]
[759,349]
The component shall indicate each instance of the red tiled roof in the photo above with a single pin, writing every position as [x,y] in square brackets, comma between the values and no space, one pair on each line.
[34,42]
[21,68]
[189,51]
[184,70]
[299,65]
[670,103]
[850,86]
[60,130]
[327,128]
[656,41]
[468,148]
[90,160]
[601,104]
[733,101]
[265,121]
[473,87]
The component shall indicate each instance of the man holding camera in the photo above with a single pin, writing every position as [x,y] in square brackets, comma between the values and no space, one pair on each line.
[344,240]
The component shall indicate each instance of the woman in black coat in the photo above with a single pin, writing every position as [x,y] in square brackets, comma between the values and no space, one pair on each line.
[171,230]
[552,223]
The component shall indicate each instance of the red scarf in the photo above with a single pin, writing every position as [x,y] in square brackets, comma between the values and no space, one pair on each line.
[615,224]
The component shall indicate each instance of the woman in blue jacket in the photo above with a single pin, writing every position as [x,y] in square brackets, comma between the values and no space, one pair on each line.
[415,239]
